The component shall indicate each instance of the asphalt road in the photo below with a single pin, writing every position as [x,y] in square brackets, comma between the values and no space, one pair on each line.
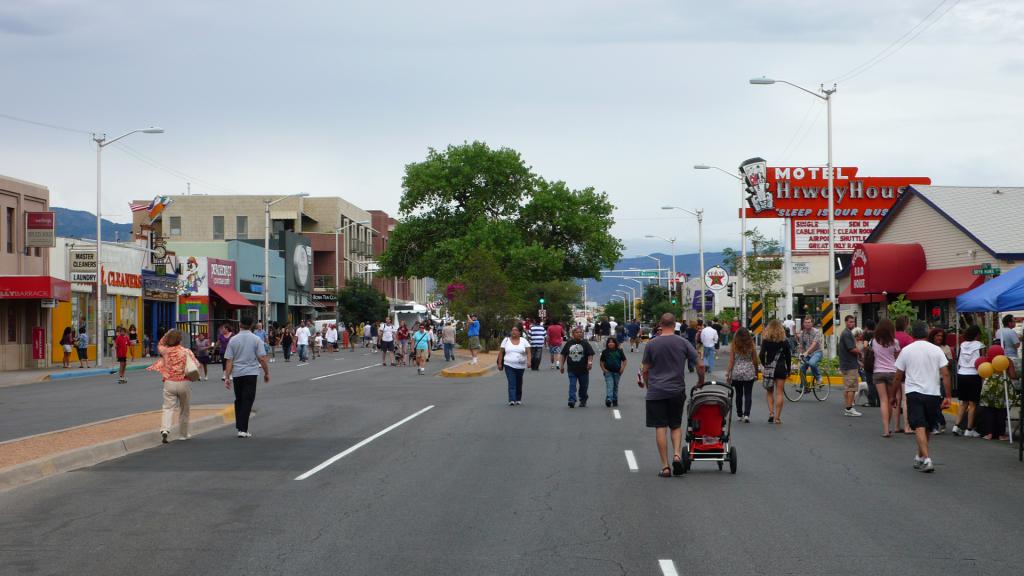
[473,486]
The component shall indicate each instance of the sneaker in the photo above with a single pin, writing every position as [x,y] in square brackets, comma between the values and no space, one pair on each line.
[558,365]
[936,431]
[957,431]
[972,434]
[519,402]
[615,403]
[163,436]
[511,403]
[244,434]
[771,419]
[583,404]
[926,466]
[918,462]
[746,419]
[607,403]
[186,437]
[572,404]
[851,411]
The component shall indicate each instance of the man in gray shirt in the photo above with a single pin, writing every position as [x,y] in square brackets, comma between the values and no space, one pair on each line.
[662,372]
[849,365]
[246,357]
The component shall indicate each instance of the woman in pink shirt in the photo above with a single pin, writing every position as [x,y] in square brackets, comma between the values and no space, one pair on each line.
[177,386]
[886,349]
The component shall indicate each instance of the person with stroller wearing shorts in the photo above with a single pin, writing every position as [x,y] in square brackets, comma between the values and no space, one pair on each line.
[663,374]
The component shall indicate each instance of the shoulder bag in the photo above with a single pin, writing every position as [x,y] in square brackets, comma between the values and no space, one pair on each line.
[191,367]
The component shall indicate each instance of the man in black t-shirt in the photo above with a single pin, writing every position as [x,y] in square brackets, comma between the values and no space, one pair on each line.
[578,359]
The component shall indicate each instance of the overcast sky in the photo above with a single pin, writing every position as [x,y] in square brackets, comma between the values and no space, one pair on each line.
[334,98]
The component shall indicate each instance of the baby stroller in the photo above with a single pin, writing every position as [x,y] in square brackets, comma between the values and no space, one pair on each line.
[709,426]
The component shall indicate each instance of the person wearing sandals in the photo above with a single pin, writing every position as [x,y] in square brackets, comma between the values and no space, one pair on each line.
[512,357]
[886,349]
[177,389]
[613,365]
[776,359]
[742,371]
[663,374]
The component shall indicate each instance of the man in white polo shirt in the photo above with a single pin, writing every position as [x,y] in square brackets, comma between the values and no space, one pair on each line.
[708,338]
[302,341]
[918,368]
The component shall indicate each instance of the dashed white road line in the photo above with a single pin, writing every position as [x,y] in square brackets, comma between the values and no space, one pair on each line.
[617,414]
[631,461]
[668,567]
[301,364]
[344,372]
[359,445]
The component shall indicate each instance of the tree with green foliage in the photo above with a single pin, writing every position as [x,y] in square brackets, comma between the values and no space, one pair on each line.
[360,302]
[616,309]
[559,296]
[902,307]
[488,295]
[762,270]
[658,301]
[471,197]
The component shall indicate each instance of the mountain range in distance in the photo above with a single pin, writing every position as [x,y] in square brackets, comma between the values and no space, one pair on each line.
[601,291]
[82,224]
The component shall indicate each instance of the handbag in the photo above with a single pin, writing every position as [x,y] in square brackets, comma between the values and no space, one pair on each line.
[869,358]
[768,380]
[191,367]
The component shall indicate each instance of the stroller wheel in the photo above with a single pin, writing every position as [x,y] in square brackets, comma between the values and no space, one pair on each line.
[685,457]
[732,459]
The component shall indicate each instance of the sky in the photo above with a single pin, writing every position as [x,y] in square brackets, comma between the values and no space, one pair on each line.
[335,98]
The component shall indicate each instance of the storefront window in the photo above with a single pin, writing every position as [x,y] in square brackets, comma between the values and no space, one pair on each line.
[129,312]
[83,311]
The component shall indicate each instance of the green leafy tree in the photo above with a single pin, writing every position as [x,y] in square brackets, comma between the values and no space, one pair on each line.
[559,296]
[902,307]
[614,308]
[657,301]
[762,270]
[472,197]
[487,295]
[360,302]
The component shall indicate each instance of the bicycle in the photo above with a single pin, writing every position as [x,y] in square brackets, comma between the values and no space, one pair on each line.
[794,391]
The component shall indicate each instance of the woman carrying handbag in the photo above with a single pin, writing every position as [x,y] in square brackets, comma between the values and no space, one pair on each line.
[179,368]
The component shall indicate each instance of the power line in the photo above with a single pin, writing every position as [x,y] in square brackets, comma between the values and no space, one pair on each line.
[898,44]
[172,171]
[44,124]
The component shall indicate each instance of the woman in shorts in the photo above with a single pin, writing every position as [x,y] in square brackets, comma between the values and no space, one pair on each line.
[886,349]
[777,360]
[67,343]
[968,382]
[203,346]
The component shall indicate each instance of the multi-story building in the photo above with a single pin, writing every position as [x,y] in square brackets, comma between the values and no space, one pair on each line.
[27,291]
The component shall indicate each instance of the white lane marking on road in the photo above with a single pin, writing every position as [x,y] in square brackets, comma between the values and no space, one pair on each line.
[359,445]
[668,567]
[301,364]
[345,372]
[617,414]
[631,461]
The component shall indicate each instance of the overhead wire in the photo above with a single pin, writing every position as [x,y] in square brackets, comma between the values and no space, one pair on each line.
[44,124]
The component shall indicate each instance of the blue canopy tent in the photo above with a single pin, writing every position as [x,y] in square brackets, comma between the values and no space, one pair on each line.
[1005,292]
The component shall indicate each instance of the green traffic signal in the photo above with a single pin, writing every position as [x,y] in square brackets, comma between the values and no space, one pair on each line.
[541,300]
[673,301]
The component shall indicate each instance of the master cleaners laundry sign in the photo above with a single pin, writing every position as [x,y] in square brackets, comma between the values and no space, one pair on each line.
[799,192]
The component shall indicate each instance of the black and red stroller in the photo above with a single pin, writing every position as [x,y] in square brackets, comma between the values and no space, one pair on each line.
[709,426]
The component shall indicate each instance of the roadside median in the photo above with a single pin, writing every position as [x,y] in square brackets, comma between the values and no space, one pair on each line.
[25,460]
[484,366]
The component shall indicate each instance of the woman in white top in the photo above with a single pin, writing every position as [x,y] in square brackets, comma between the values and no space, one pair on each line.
[968,382]
[512,358]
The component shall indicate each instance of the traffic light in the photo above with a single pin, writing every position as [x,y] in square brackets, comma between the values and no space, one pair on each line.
[674,301]
[540,297]
[729,289]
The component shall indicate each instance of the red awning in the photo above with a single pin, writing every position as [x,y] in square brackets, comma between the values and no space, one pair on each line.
[891,268]
[944,283]
[231,296]
[34,288]
[848,297]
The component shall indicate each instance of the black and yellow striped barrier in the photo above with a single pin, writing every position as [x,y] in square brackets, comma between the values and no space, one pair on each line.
[827,318]
[757,317]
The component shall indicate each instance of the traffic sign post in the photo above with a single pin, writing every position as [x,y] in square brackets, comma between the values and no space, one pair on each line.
[987,270]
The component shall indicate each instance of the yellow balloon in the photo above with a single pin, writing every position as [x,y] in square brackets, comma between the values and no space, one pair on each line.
[1000,363]
[985,370]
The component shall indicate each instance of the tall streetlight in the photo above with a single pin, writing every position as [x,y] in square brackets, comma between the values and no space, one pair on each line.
[627,303]
[826,95]
[632,308]
[700,247]
[740,273]
[266,250]
[671,241]
[101,143]
[336,268]
[617,295]
[658,260]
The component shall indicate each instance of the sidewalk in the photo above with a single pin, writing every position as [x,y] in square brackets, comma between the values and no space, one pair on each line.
[32,458]
[21,377]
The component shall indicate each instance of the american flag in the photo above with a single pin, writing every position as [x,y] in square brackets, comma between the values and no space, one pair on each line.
[435,305]
[139,206]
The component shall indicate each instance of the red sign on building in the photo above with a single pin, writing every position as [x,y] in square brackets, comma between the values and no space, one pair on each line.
[38,343]
[40,229]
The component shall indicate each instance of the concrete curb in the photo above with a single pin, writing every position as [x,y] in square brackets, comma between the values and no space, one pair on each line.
[86,456]
[91,372]
[480,370]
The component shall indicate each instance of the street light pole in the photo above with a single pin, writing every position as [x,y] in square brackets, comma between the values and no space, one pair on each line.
[741,280]
[626,303]
[658,260]
[101,143]
[700,244]
[672,241]
[826,95]
[266,251]
[632,308]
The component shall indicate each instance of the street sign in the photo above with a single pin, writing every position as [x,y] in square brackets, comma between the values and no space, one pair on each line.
[987,270]
[48,303]
[542,313]
[716,278]
[650,273]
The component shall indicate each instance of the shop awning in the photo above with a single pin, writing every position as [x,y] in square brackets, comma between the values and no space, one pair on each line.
[891,268]
[231,296]
[1005,292]
[34,288]
[944,283]
[848,297]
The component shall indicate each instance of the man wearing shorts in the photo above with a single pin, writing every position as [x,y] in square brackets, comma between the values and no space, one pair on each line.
[918,368]
[473,333]
[662,373]
[121,343]
[387,343]
[421,344]
[849,365]
[556,337]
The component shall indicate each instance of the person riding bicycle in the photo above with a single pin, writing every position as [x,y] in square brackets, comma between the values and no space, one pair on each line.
[810,350]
